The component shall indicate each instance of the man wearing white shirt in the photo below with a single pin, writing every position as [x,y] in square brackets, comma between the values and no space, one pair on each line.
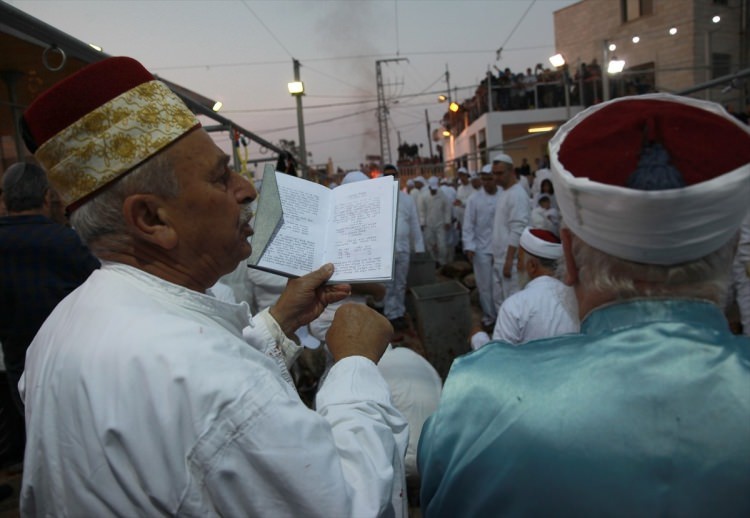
[147,396]
[511,217]
[545,306]
[437,221]
[408,234]
[418,194]
[477,241]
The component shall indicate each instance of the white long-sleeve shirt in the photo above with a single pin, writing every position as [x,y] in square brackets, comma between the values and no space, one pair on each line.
[511,217]
[437,209]
[143,399]
[407,225]
[463,193]
[545,307]
[418,196]
[478,221]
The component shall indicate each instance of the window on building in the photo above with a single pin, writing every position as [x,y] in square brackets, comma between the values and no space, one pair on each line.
[633,9]
[721,64]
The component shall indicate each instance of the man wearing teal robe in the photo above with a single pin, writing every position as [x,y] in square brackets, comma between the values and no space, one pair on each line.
[646,412]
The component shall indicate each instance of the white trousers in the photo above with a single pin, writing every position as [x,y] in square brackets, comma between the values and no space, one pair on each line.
[482,263]
[395,291]
[434,241]
[503,287]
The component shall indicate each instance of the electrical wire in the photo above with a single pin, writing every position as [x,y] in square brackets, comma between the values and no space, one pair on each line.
[244,2]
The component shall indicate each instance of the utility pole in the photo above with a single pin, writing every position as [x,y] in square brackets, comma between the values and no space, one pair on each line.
[448,83]
[300,122]
[385,141]
[429,135]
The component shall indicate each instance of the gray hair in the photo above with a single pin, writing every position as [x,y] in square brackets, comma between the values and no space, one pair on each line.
[704,278]
[100,222]
[24,187]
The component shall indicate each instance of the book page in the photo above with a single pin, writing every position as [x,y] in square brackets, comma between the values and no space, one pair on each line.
[363,221]
[298,245]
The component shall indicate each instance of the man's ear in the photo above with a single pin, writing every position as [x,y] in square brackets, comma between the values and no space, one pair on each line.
[571,269]
[145,217]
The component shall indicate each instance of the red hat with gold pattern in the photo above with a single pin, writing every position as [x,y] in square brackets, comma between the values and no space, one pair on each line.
[100,123]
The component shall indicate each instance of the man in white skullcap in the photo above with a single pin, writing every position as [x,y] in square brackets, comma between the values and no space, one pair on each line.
[646,411]
[437,221]
[477,242]
[418,193]
[408,238]
[511,217]
[463,191]
[545,306]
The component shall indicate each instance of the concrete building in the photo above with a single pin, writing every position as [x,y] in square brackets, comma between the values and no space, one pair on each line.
[666,46]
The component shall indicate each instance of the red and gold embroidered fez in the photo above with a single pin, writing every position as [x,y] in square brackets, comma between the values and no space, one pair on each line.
[100,123]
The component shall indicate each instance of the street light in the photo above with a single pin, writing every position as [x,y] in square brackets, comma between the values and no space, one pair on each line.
[453,106]
[297,89]
[558,61]
[614,66]
[217,106]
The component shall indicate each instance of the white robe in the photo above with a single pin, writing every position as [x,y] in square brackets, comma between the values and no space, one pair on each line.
[143,399]
[545,307]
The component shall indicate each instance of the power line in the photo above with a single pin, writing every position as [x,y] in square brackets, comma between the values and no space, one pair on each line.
[343,58]
[244,2]
[518,23]
[290,108]
[324,121]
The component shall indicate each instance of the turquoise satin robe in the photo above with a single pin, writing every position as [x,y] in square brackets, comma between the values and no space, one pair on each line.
[645,413]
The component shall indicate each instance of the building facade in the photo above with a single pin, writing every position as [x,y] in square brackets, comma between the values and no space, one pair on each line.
[667,45]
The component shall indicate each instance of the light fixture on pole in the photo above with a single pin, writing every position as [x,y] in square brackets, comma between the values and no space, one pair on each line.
[297,89]
[558,61]
[217,106]
[614,66]
[454,106]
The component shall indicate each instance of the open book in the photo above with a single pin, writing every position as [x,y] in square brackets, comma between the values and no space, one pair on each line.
[301,225]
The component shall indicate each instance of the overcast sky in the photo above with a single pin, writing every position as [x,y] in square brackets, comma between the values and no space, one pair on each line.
[240,52]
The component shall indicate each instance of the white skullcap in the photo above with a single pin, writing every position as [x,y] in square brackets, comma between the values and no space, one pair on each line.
[420,179]
[354,176]
[502,157]
[486,169]
[444,181]
[473,174]
[462,170]
[678,198]
[541,243]
[433,182]
[410,183]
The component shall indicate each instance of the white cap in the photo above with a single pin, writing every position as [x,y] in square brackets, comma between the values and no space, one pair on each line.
[410,183]
[433,182]
[473,174]
[541,243]
[354,176]
[462,170]
[675,199]
[502,157]
[486,169]
[420,178]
